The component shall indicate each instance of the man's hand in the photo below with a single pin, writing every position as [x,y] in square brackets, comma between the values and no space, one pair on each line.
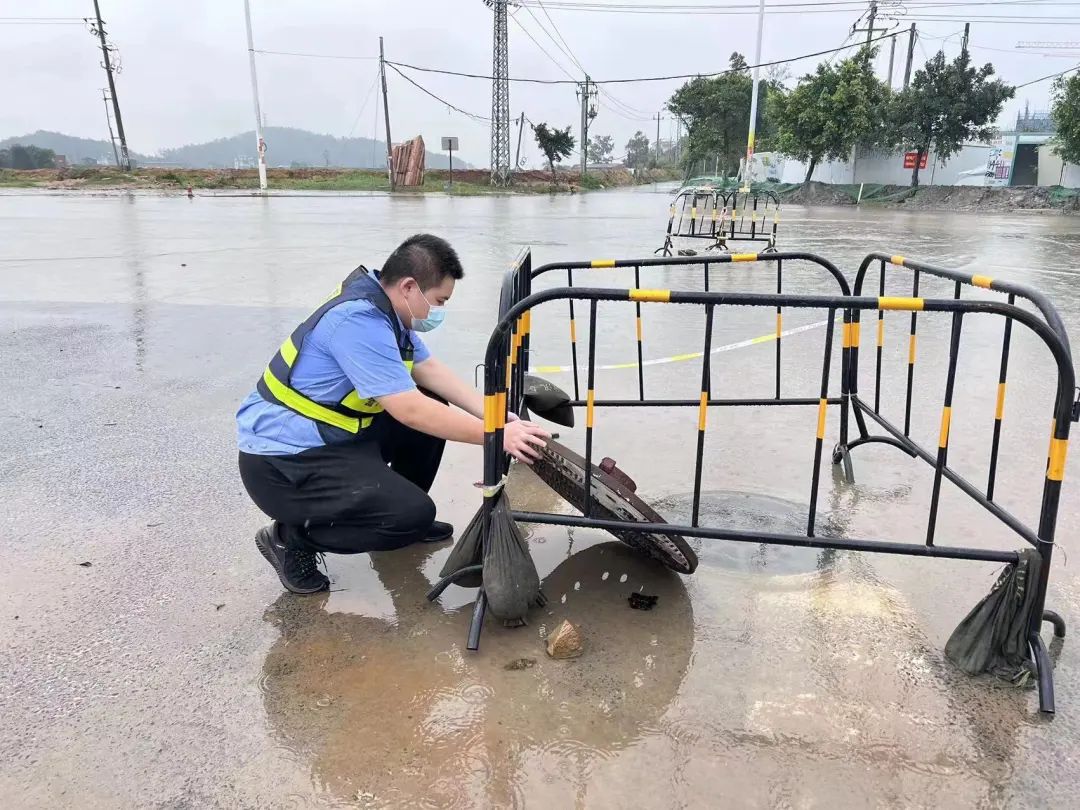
[521,438]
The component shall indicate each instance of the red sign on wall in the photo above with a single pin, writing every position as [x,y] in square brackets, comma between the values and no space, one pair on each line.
[909,160]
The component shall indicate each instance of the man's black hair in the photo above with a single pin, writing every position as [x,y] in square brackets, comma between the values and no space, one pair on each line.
[427,258]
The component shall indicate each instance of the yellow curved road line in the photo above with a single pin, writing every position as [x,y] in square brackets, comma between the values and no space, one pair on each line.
[678,358]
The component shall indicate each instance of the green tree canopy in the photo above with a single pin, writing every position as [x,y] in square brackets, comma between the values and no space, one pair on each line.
[947,104]
[830,111]
[554,143]
[27,157]
[717,114]
[637,151]
[1065,112]
[600,148]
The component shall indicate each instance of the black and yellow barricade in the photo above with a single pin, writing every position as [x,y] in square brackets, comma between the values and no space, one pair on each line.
[722,216]
[712,271]
[499,379]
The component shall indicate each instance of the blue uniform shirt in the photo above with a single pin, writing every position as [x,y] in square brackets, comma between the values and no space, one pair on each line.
[352,347]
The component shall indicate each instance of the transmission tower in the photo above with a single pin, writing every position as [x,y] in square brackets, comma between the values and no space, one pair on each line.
[500,98]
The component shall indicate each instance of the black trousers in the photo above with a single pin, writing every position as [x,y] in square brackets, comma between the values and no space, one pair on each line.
[368,495]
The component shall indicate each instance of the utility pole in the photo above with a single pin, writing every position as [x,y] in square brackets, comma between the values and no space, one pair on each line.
[873,16]
[583,89]
[260,144]
[386,117]
[892,56]
[107,64]
[108,120]
[500,97]
[658,139]
[521,128]
[748,168]
[964,41]
[910,55]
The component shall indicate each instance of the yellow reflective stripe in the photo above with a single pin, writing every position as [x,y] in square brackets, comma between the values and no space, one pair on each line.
[845,336]
[1000,412]
[823,404]
[671,211]
[573,332]
[703,410]
[491,406]
[639,328]
[714,215]
[897,260]
[982,281]
[946,420]
[602,263]
[288,351]
[855,329]
[1058,449]
[589,408]
[306,407]
[881,332]
[779,325]
[911,351]
[526,322]
[500,409]
[900,303]
[650,295]
[693,212]
[354,402]
[744,257]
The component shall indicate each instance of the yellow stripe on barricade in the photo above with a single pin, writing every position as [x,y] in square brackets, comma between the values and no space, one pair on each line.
[662,296]
[911,351]
[881,332]
[779,325]
[744,257]
[855,329]
[982,281]
[602,263]
[1059,448]
[946,420]
[703,410]
[573,331]
[1000,412]
[490,404]
[526,322]
[900,303]
[845,336]
[639,328]
[823,405]
[897,260]
[590,400]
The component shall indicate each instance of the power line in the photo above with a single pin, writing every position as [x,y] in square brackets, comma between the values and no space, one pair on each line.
[1044,78]
[363,106]
[673,77]
[423,89]
[544,50]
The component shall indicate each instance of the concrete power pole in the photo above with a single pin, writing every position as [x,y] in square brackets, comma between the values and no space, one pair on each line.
[658,139]
[748,166]
[585,98]
[500,97]
[108,120]
[892,57]
[873,16]
[260,144]
[964,41]
[910,56]
[386,117]
[107,64]
[517,155]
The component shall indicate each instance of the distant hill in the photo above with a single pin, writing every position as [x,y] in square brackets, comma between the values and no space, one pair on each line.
[285,146]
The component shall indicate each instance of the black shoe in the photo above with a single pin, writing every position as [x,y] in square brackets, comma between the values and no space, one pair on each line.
[439,532]
[296,568]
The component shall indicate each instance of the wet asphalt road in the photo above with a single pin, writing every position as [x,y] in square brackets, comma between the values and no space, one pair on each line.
[172,672]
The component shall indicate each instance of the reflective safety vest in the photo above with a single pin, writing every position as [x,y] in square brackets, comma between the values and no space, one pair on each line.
[354,413]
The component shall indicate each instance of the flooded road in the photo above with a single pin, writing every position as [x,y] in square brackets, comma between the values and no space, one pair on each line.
[171,671]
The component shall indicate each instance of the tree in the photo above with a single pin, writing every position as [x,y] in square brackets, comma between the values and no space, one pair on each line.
[1065,113]
[27,157]
[601,147]
[717,113]
[831,111]
[637,151]
[555,144]
[947,104]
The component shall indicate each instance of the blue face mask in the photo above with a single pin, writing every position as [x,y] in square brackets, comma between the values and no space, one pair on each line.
[436,315]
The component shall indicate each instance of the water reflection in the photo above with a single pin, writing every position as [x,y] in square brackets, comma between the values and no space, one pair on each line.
[396,711]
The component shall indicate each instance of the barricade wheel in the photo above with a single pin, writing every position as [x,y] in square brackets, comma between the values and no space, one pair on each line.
[564,471]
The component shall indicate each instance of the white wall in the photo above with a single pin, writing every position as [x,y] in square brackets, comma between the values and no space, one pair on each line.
[888,168]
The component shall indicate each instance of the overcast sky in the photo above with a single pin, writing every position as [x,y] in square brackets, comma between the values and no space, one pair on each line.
[185,71]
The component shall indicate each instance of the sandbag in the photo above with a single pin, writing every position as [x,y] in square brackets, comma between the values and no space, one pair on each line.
[993,637]
[467,551]
[548,401]
[510,578]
